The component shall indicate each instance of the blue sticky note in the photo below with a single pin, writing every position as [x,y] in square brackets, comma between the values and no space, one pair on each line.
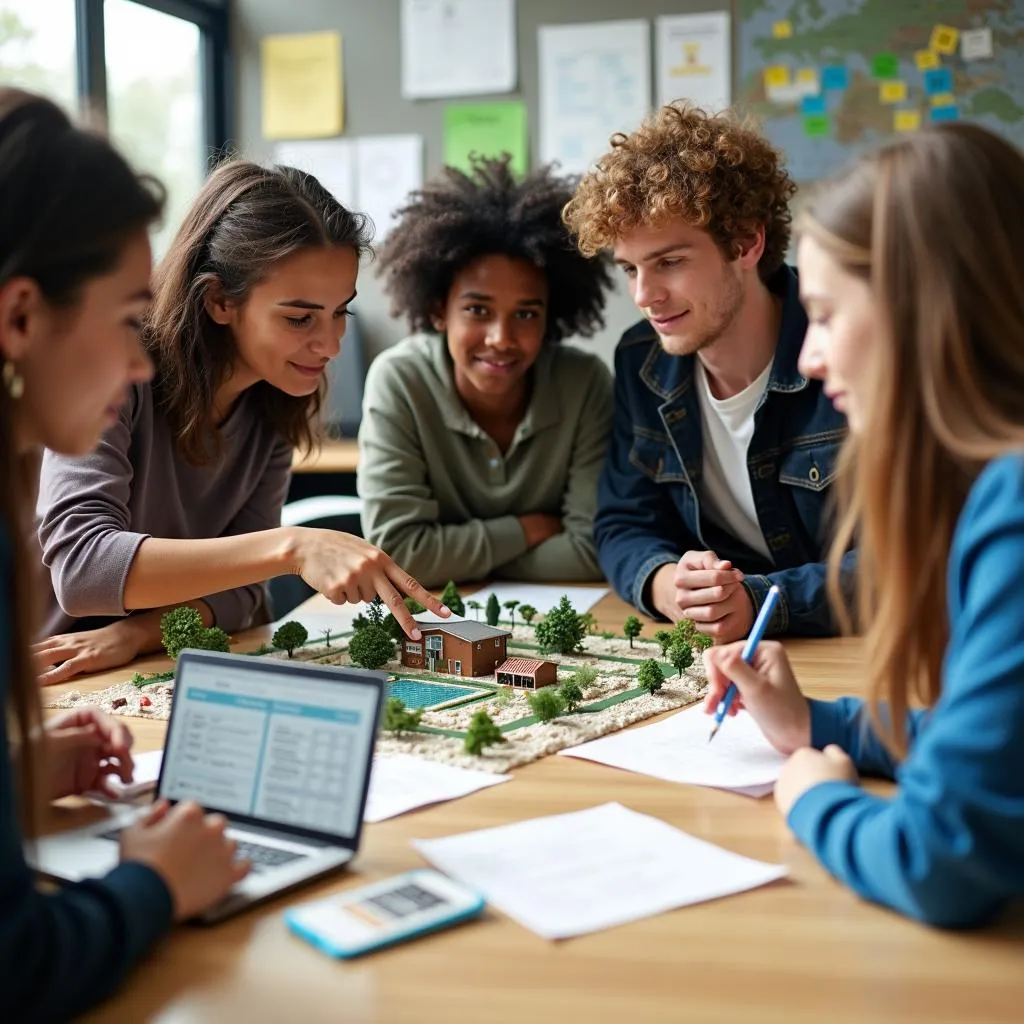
[834,76]
[813,105]
[938,80]
[945,113]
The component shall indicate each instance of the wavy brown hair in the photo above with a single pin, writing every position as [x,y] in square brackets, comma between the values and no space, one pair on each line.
[929,222]
[711,171]
[245,220]
[68,206]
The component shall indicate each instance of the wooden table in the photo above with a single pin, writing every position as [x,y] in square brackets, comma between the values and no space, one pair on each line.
[332,457]
[801,950]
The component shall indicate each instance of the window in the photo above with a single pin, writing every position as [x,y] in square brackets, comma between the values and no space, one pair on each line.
[497,643]
[37,48]
[411,648]
[435,643]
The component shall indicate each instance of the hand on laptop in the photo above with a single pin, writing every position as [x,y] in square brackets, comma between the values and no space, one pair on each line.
[84,747]
[346,569]
[708,591]
[190,852]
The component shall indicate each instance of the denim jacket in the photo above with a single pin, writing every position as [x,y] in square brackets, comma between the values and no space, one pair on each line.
[648,510]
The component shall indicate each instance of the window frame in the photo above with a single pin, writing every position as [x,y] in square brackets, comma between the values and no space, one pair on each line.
[211,18]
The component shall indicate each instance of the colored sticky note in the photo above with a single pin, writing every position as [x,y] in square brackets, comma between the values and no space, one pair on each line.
[976,44]
[775,76]
[782,29]
[817,126]
[486,129]
[926,60]
[946,113]
[885,65]
[892,92]
[943,99]
[806,81]
[944,39]
[813,105]
[938,80]
[906,120]
[834,76]
[301,83]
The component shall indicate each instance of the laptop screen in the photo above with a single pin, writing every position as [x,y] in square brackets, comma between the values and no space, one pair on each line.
[284,747]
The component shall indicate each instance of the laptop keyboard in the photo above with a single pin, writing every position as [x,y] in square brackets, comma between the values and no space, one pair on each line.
[261,857]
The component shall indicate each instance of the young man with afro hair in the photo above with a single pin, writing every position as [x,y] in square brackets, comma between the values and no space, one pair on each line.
[722,453]
[482,438]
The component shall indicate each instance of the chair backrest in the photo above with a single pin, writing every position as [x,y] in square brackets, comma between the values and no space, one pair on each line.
[346,376]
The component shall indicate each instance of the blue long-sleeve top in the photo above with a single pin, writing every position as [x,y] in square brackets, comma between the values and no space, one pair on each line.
[948,847]
[62,952]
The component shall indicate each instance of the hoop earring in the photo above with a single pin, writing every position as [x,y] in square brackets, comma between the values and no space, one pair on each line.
[13,380]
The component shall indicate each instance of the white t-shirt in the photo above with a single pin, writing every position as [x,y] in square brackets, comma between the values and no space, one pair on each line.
[725,493]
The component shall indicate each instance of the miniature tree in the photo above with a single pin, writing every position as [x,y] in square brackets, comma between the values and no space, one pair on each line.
[663,638]
[588,622]
[476,606]
[571,693]
[650,677]
[545,703]
[585,677]
[180,628]
[450,598]
[398,719]
[213,639]
[289,636]
[327,636]
[512,606]
[376,611]
[680,654]
[527,613]
[562,629]
[686,629]
[493,612]
[372,646]
[482,732]
[701,642]
[631,628]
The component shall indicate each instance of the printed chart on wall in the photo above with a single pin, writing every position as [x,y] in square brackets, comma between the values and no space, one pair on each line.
[831,77]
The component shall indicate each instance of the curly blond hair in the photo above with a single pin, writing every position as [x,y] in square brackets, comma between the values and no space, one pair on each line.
[710,170]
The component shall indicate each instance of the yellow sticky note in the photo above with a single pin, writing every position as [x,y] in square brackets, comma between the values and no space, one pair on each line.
[775,76]
[906,120]
[807,76]
[302,85]
[926,60]
[782,29]
[944,39]
[892,92]
[943,99]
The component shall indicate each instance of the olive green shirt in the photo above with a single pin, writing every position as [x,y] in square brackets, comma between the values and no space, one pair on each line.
[441,499]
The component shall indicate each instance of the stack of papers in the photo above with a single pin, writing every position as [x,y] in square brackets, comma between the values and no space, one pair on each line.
[677,750]
[401,783]
[570,874]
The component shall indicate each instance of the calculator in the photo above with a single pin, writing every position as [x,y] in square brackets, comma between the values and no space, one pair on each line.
[384,913]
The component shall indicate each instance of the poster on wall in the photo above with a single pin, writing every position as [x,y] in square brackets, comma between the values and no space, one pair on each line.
[595,80]
[694,59]
[458,48]
[388,168]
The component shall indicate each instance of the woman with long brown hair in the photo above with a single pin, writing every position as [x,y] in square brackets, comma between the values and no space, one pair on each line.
[181,501]
[74,281]
[910,268]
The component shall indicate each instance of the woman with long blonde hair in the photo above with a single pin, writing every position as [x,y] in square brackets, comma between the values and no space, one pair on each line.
[911,271]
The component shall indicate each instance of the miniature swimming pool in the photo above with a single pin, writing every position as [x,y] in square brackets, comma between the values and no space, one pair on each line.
[416,693]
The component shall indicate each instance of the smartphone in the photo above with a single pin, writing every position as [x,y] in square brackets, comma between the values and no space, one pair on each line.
[384,913]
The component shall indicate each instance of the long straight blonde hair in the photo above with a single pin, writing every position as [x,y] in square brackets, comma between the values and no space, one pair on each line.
[929,222]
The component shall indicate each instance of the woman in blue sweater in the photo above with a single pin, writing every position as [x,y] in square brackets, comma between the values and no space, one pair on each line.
[74,281]
[910,269]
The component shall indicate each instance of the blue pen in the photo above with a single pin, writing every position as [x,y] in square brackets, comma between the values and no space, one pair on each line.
[749,650]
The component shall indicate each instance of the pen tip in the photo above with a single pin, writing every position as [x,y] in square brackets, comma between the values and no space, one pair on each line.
[712,736]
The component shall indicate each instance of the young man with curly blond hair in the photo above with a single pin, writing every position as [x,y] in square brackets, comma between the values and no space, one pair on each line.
[718,469]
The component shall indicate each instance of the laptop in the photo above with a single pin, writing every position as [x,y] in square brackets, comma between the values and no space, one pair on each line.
[282,748]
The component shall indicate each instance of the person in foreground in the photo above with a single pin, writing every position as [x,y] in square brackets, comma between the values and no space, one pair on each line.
[482,438]
[910,271]
[181,501]
[74,281]
[722,453]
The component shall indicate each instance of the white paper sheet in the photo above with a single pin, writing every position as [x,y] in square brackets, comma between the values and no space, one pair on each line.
[976,44]
[677,750]
[694,54]
[595,79]
[458,47]
[331,161]
[388,168]
[570,874]
[401,783]
[144,778]
[540,596]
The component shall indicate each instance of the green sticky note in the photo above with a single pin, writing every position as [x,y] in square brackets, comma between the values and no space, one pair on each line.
[817,125]
[485,129]
[885,65]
